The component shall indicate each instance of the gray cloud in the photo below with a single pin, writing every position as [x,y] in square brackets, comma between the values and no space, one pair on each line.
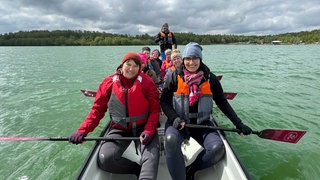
[248,17]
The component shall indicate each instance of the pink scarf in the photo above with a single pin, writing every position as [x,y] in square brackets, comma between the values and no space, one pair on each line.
[193,81]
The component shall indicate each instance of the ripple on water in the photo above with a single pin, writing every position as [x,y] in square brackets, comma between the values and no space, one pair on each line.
[278,87]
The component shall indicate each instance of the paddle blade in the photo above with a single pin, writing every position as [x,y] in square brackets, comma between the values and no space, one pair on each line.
[229,95]
[290,136]
[219,77]
[89,93]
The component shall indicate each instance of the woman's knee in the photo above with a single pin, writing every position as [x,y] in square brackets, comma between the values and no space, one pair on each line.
[171,142]
[105,159]
[109,154]
[218,151]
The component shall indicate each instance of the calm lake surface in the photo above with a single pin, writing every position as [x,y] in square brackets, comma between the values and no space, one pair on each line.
[278,87]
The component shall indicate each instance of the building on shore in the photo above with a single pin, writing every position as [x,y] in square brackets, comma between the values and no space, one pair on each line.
[275,42]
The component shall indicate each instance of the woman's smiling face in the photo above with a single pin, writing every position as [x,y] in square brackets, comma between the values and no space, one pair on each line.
[192,64]
[130,69]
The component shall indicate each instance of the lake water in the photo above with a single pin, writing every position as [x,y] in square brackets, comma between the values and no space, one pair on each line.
[278,87]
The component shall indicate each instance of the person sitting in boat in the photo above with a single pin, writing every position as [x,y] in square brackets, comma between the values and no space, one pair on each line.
[155,57]
[120,92]
[176,60]
[187,98]
[147,70]
[152,64]
[166,39]
[166,64]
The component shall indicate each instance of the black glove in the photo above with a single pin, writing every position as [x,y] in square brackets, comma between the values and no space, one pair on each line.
[177,122]
[77,138]
[244,129]
[145,138]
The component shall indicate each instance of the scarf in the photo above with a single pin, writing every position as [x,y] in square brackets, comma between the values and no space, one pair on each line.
[193,82]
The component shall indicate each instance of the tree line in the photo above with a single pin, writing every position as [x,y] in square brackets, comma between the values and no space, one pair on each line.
[95,38]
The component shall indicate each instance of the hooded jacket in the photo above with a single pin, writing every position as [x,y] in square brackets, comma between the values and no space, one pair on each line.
[103,96]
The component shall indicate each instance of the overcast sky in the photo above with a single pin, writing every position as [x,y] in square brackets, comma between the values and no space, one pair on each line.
[240,17]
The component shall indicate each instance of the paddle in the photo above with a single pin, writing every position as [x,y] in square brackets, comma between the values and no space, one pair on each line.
[227,95]
[89,93]
[283,135]
[219,77]
[65,138]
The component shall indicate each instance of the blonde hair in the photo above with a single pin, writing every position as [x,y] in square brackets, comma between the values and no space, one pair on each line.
[175,51]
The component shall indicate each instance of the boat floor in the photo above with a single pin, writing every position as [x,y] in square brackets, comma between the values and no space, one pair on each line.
[229,168]
[224,170]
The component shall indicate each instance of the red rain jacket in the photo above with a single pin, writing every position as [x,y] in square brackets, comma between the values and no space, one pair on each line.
[102,97]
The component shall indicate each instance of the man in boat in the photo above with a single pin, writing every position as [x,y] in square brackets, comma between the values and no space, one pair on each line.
[166,39]
[187,98]
[120,92]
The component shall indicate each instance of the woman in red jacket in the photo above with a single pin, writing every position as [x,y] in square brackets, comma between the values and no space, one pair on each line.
[133,102]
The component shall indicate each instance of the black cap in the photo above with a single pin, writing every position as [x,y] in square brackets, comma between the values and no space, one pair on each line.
[146,49]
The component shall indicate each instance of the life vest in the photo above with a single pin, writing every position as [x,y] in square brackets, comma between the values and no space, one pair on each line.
[123,107]
[149,63]
[167,64]
[167,38]
[181,102]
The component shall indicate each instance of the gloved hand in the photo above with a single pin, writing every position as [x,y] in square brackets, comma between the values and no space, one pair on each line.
[244,129]
[77,138]
[145,138]
[177,123]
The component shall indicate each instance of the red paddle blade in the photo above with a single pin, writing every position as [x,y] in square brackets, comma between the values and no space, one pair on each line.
[89,93]
[229,95]
[290,136]
[219,77]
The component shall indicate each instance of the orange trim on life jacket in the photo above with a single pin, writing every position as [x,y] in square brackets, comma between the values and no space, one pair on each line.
[164,35]
[184,89]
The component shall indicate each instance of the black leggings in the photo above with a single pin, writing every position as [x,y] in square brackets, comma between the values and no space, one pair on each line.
[210,140]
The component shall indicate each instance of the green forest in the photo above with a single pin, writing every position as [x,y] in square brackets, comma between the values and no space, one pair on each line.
[95,38]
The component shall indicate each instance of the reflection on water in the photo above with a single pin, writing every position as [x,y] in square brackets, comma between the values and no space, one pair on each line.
[287,169]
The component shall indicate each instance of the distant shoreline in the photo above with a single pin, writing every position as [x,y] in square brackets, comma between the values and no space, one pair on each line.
[93,38]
